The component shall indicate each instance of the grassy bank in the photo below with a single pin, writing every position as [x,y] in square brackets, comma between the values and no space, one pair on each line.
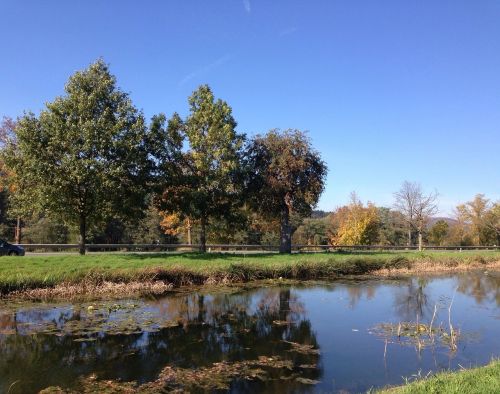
[477,380]
[86,273]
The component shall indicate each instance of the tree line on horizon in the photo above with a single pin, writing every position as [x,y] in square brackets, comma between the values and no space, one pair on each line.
[90,168]
[473,223]
[90,160]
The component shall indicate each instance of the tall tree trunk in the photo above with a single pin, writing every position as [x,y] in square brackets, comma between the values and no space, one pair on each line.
[82,236]
[420,240]
[18,231]
[203,234]
[286,231]
[188,223]
[409,236]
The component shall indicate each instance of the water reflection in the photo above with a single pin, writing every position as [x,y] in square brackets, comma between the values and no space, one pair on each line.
[356,293]
[209,329]
[412,300]
[483,287]
[323,330]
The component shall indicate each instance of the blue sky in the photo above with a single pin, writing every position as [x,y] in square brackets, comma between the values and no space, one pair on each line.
[389,90]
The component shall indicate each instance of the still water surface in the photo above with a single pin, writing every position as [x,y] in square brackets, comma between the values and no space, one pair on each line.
[339,323]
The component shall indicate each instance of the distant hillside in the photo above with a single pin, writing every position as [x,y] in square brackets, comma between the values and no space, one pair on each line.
[450,221]
[317,214]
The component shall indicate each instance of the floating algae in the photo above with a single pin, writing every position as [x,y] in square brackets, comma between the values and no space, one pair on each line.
[91,321]
[218,376]
[301,348]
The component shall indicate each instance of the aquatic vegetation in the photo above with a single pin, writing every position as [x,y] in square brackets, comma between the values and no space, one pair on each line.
[301,348]
[246,338]
[92,385]
[306,380]
[282,322]
[419,334]
[416,334]
[218,376]
[92,321]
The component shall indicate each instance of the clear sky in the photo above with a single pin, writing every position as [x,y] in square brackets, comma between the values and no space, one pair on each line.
[389,90]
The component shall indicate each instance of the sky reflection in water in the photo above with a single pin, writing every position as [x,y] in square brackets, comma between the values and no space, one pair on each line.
[43,345]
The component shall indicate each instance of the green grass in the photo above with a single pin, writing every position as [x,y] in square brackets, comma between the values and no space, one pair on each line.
[21,273]
[477,380]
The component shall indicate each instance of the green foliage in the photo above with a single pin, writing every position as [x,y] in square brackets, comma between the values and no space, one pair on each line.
[312,232]
[492,222]
[43,230]
[478,222]
[392,228]
[286,175]
[205,186]
[148,229]
[287,172]
[85,157]
[165,142]
[6,222]
[437,233]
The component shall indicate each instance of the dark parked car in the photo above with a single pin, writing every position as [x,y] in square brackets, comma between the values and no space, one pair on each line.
[9,249]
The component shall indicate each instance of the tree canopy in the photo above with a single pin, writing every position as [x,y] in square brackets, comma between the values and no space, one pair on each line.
[85,157]
[417,207]
[356,224]
[206,183]
[285,175]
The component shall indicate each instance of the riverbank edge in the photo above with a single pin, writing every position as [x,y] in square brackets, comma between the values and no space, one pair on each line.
[485,379]
[100,283]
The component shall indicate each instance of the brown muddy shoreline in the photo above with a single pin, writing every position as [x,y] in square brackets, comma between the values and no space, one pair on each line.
[161,282]
[433,268]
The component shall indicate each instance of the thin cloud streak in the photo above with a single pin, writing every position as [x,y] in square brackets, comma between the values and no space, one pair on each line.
[203,70]
[248,7]
[287,32]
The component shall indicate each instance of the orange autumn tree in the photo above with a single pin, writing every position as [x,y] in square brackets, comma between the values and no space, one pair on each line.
[174,224]
[355,224]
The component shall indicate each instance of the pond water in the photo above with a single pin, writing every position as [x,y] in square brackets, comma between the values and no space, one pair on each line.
[342,336]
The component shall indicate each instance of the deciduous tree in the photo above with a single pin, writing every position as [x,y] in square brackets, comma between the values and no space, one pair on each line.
[481,218]
[285,175]
[438,232]
[8,137]
[206,184]
[417,207]
[492,221]
[84,158]
[392,227]
[356,224]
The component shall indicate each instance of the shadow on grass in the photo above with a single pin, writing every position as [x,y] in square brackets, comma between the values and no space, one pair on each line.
[194,255]
[252,255]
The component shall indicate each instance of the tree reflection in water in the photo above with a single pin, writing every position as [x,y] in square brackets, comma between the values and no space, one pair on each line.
[357,292]
[411,300]
[483,288]
[242,325]
[212,328]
